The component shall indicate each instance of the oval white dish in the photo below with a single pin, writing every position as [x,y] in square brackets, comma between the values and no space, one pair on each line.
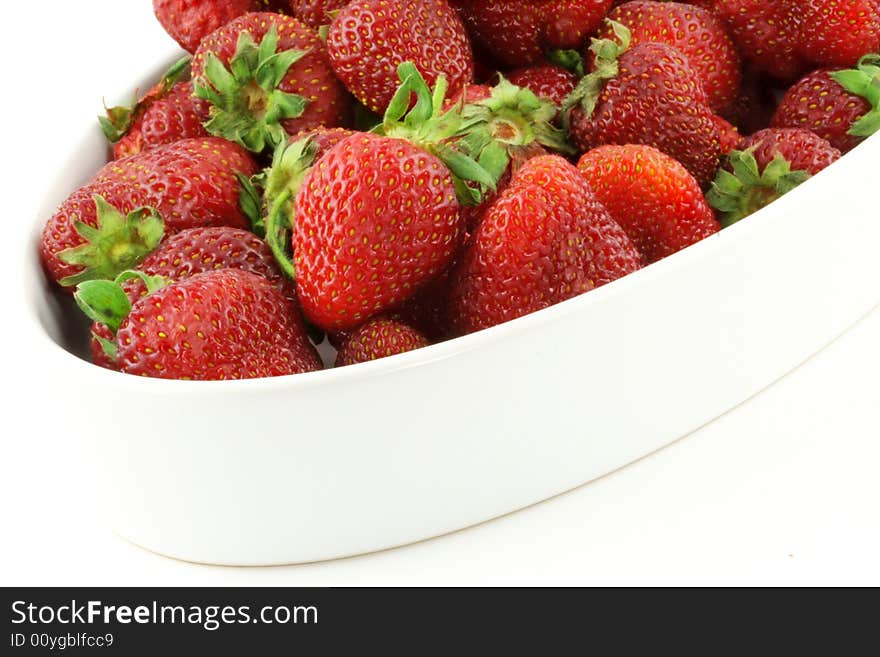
[359,459]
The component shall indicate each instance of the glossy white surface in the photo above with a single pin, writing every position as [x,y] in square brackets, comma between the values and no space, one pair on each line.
[568,461]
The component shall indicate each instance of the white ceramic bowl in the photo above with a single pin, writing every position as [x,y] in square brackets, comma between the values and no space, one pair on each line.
[363,458]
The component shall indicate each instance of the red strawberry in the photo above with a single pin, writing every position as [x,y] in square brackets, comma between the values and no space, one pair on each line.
[782,37]
[280,87]
[190,21]
[546,239]
[471,93]
[379,338]
[840,106]
[645,94]
[568,23]
[509,30]
[224,324]
[547,81]
[696,33]
[196,251]
[316,13]
[167,113]
[837,33]
[652,196]
[518,32]
[768,165]
[187,184]
[379,216]
[767,33]
[369,39]
[375,220]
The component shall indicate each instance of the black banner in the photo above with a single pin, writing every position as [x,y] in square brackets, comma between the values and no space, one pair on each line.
[412,621]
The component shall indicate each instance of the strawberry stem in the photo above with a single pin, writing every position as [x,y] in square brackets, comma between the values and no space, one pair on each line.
[746,190]
[119,120]
[116,244]
[606,52]
[247,106]
[864,81]
[436,131]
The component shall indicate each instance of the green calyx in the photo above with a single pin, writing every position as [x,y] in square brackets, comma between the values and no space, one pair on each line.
[570,60]
[119,120]
[117,243]
[864,81]
[606,53]
[436,131]
[247,106]
[512,117]
[269,198]
[106,302]
[745,191]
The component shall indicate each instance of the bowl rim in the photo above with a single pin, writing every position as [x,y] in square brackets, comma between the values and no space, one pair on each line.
[739,232]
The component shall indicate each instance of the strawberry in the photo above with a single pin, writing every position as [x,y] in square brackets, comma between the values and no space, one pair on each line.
[513,125]
[784,37]
[196,251]
[223,324]
[841,106]
[369,39]
[518,32]
[316,13]
[379,215]
[379,338]
[696,33]
[645,94]
[186,184]
[267,76]
[190,21]
[547,81]
[837,33]
[167,113]
[544,240]
[767,33]
[768,165]
[652,196]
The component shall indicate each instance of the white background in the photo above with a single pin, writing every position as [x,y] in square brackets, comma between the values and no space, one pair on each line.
[782,490]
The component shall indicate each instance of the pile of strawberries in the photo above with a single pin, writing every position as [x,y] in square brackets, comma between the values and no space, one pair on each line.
[392,173]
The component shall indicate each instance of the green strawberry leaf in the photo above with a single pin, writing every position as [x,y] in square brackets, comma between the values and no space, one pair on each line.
[116,244]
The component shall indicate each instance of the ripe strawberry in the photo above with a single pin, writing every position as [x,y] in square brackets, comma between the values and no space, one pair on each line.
[378,217]
[768,165]
[190,21]
[278,88]
[379,338]
[186,184]
[652,196]
[767,33]
[547,81]
[167,113]
[469,94]
[840,106]
[544,240]
[518,32]
[783,37]
[645,94]
[837,33]
[315,13]
[224,324]
[696,33]
[192,252]
[511,125]
[369,39]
